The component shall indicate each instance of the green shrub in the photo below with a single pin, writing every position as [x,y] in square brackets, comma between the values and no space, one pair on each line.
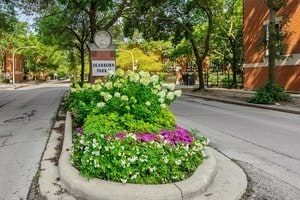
[128,134]
[270,93]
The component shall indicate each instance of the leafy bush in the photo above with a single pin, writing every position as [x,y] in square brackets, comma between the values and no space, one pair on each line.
[270,93]
[138,157]
[128,133]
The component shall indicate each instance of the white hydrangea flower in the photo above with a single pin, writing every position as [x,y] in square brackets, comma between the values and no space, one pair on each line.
[73,90]
[124,98]
[163,105]
[161,100]
[110,72]
[117,94]
[170,95]
[158,86]
[148,103]
[152,169]
[107,97]
[117,84]
[145,81]
[97,87]
[119,72]
[178,93]
[154,91]
[102,94]
[134,77]
[144,74]
[171,86]
[109,85]
[154,79]
[162,93]
[86,85]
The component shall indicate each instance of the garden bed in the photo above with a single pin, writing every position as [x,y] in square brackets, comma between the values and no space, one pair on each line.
[100,189]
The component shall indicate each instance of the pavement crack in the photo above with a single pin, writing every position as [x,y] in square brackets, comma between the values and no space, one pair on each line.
[7,103]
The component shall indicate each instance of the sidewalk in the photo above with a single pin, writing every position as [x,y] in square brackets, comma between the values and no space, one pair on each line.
[187,90]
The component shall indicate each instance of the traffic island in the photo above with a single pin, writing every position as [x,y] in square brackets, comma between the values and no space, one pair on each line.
[216,178]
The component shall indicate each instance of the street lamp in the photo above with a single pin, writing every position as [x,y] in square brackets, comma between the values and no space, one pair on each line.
[132,57]
[13,62]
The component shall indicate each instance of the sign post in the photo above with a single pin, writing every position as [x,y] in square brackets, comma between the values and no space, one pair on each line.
[102,56]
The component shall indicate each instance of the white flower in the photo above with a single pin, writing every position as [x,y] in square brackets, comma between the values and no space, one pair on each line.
[166,160]
[158,86]
[110,72]
[118,84]
[117,94]
[154,79]
[97,87]
[134,176]
[123,162]
[119,72]
[161,100]
[124,98]
[148,103]
[144,74]
[178,93]
[100,104]
[163,105]
[107,97]
[123,180]
[152,169]
[86,85]
[145,81]
[133,159]
[134,77]
[154,91]
[177,162]
[162,93]
[109,85]
[171,86]
[102,94]
[170,95]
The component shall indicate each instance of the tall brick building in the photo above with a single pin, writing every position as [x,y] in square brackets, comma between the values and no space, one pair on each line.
[256,20]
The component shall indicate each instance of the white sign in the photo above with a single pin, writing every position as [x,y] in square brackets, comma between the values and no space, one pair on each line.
[101,67]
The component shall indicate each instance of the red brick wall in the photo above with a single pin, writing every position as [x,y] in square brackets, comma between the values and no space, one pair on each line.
[19,65]
[255,65]
[287,76]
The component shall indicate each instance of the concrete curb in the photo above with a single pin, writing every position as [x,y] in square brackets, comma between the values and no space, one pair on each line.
[191,188]
[268,107]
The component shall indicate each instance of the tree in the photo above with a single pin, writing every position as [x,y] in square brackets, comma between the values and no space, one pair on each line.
[163,19]
[274,6]
[228,36]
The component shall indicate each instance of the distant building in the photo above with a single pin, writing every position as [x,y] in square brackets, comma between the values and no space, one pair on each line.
[7,68]
[255,68]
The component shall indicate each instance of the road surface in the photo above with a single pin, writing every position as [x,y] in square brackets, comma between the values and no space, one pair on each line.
[26,117]
[265,143]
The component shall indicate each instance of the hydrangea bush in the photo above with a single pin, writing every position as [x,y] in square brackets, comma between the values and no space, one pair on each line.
[125,132]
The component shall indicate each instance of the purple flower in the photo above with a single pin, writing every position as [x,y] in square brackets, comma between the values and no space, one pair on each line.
[79,130]
[178,136]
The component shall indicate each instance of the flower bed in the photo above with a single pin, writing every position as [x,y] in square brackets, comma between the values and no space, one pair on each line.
[125,132]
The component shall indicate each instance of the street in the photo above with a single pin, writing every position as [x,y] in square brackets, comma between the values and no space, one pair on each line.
[266,144]
[26,117]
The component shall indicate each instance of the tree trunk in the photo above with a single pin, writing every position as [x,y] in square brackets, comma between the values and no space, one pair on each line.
[82,62]
[272,46]
[198,63]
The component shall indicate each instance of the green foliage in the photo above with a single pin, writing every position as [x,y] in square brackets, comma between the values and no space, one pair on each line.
[129,134]
[270,93]
[132,161]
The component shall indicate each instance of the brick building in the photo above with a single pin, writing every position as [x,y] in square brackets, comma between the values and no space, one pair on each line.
[255,68]
[7,68]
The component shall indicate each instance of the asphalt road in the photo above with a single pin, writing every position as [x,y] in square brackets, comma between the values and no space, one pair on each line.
[26,117]
[265,143]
